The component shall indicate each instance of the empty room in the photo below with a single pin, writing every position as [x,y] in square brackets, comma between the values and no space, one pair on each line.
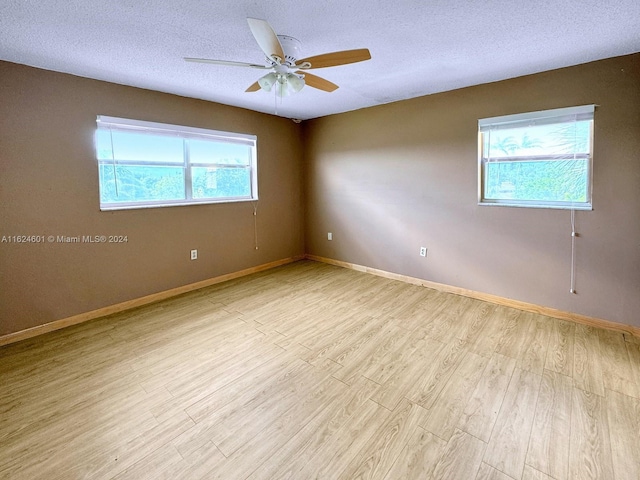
[269,240]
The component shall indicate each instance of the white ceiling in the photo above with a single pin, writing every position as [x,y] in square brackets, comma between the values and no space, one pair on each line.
[417,47]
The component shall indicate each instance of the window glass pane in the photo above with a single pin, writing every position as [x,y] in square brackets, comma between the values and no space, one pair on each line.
[148,164]
[139,147]
[149,183]
[205,151]
[103,145]
[219,182]
[559,139]
[552,180]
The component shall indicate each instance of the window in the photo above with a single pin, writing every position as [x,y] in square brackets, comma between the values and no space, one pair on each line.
[538,159]
[144,164]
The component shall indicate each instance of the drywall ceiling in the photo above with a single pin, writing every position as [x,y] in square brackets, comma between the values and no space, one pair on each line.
[417,48]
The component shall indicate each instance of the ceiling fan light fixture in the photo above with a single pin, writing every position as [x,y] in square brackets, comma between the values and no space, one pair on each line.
[295,82]
[285,83]
[267,82]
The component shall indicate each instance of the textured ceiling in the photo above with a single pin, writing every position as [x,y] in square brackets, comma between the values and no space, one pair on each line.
[417,47]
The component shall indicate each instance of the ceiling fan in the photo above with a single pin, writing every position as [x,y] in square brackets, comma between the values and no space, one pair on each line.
[288,74]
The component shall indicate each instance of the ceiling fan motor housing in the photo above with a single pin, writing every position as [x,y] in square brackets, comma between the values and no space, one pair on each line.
[291,48]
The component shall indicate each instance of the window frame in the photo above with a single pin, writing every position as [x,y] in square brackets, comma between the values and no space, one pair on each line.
[185,133]
[555,116]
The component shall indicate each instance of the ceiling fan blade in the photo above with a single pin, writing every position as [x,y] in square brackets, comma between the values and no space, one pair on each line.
[225,62]
[253,88]
[266,37]
[337,58]
[318,82]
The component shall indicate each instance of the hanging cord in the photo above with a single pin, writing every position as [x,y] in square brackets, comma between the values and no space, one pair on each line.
[573,251]
[113,162]
[255,223]
[275,98]
[573,219]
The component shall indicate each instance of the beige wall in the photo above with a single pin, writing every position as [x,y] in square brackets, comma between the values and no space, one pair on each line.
[389,179]
[49,186]
[384,181]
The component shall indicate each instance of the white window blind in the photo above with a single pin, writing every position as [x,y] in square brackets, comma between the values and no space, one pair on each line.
[148,164]
[537,159]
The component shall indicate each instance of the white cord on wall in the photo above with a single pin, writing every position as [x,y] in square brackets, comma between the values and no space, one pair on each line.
[573,251]
[255,223]
[573,222]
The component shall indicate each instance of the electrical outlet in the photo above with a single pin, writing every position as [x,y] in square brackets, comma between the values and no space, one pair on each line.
[329,236]
[423,251]
[194,254]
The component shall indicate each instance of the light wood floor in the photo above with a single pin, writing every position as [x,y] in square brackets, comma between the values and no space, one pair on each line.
[313,371]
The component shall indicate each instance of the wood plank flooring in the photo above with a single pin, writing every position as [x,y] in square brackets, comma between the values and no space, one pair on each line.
[313,371]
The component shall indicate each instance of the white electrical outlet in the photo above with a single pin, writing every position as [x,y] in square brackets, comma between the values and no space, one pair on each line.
[194,254]
[329,236]
[423,251]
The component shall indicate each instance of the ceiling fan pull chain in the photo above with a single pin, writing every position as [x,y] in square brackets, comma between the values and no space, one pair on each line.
[275,100]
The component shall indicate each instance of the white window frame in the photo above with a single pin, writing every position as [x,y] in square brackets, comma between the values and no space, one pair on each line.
[185,133]
[559,115]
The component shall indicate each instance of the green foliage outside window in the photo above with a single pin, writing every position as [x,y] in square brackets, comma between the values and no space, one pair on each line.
[147,164]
